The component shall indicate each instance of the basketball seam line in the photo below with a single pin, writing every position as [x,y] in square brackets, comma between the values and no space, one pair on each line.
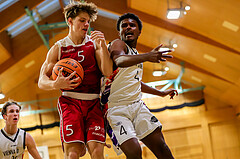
[70,69]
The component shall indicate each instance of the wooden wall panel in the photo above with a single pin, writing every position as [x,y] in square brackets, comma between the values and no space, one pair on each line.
[225,140]
[186,142]
[190,132]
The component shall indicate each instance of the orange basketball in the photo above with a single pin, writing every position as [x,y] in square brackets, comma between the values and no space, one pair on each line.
[69,65]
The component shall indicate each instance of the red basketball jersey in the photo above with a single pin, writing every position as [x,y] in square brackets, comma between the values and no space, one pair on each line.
[85,54]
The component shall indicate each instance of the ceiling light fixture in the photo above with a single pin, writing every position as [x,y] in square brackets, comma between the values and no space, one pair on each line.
[45,9]
[160,72]
[173,13]
[176,13]
[2,95]
[171,46]
[6,3]
[187,7]
[175,45]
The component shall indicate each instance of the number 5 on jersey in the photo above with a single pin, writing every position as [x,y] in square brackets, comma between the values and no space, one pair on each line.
[69,129]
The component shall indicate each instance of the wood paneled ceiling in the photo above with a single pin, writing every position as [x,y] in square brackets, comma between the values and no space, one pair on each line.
[200,36]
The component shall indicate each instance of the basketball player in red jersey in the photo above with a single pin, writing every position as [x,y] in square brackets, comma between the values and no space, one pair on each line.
[81,119]
[12,139]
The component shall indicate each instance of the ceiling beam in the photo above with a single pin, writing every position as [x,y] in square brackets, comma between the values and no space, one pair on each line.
[22,49]
[5,43]
[5,46]
[29,40]
[118,6]
[15,11]
[175,60]
[156,21]
[110,32]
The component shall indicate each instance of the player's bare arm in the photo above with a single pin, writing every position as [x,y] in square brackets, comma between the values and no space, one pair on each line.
[102,54]
[31,147]
[147,89]
[118,52]
[45,82]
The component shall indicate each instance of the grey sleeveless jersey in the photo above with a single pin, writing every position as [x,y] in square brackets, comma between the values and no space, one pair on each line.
[126,86]
[12,146]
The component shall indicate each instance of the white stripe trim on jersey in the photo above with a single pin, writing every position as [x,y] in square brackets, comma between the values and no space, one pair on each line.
[85,40]
[59,50]
[96,141]
[61,129]
[82,96]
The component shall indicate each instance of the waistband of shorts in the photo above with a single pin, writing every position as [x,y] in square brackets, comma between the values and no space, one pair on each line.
[82,96]
[111,105]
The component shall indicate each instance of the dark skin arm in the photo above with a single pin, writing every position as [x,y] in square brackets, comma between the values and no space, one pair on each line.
[118,52]
[147,89]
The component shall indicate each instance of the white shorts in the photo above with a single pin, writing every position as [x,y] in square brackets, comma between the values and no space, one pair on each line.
[132,121]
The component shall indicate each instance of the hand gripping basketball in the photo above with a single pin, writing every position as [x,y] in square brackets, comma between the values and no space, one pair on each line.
[69,66]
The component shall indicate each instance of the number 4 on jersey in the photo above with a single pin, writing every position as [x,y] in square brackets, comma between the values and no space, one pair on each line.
[136,76]
[122,130]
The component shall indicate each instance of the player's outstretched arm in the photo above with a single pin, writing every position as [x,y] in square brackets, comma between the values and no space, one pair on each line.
[31,147]
[118,52]
[147,89]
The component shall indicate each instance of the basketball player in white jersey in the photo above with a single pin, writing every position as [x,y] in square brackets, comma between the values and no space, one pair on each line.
[12,139]
[128,116]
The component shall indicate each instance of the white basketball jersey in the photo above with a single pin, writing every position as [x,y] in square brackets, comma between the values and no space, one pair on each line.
[12,146]
[126,86]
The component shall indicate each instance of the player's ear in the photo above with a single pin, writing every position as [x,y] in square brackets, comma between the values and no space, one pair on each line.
[4,116]
[70,21]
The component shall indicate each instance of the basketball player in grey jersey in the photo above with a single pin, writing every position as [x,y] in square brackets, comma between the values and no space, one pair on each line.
[127,114]
[14,140]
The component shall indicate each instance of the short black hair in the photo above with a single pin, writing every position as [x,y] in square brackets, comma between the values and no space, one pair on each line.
[127,16]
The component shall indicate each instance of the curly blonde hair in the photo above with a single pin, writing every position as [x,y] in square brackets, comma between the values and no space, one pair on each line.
[74,8]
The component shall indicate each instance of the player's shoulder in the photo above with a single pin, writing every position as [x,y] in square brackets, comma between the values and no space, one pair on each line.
[117,42]
[54,50]
[55,46]
[64,41]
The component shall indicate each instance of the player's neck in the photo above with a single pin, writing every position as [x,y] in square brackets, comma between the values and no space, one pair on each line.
[76,39]
[10,129]
[131,43]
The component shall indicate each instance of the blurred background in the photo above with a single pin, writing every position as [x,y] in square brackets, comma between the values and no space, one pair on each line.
[201,123]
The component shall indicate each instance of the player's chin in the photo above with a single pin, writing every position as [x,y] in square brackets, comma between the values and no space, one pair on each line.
[129,39]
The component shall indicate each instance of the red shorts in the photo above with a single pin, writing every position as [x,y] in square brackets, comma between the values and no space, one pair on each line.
[80,120]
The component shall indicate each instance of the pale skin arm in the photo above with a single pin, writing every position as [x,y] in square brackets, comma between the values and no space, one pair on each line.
[118,52]
[31,146]
[147,89]
[45,82]
[104,60]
